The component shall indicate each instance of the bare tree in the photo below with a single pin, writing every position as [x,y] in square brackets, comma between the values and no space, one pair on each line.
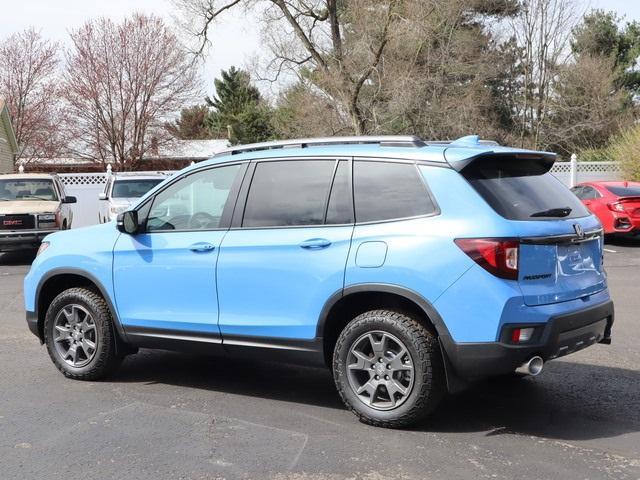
[543,30]
[121,83]
[338,46]
[28,81]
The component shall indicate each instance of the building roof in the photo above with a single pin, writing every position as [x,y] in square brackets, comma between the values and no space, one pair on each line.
[190,149]
[6,122]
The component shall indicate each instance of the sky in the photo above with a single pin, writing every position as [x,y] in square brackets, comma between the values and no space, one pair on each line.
[235,41]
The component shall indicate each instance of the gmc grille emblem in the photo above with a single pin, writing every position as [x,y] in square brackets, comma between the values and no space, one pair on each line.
[8,223]
[578,228]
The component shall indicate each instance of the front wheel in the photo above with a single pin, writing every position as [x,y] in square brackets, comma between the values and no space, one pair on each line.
[79,335]
[388,369]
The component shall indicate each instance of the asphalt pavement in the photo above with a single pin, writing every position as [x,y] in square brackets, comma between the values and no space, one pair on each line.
[173,416]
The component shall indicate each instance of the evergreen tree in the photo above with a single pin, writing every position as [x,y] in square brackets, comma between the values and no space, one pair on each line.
[239,110]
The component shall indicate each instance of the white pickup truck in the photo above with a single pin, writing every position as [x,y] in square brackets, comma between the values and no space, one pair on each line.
[32,205]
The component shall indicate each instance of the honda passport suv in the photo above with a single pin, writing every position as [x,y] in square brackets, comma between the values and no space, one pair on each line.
[408,268]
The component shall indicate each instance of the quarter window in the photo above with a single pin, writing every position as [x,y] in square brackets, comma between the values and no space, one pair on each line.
[288,193]
[589,193]
[386,190]
[195,202]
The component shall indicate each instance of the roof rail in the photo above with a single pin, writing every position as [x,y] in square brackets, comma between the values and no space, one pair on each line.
[383,141]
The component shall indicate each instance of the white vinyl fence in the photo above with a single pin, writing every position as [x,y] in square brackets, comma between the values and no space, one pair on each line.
[574,172]
[85,187]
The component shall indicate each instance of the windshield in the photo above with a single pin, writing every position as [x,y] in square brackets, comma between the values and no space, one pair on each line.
[37,189]
[628,191]
[523,190]
[133,188]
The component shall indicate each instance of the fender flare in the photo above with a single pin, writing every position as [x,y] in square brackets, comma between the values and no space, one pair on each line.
[454,382]
[81,273]
[406,293]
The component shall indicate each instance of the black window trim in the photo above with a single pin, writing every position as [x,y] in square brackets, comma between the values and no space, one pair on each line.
[227,212]
[436,212]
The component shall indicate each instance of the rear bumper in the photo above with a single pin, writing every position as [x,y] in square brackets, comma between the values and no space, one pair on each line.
[16,240]
[561,335]
[624,223]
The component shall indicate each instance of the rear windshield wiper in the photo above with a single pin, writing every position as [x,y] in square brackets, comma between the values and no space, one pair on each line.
[553,212]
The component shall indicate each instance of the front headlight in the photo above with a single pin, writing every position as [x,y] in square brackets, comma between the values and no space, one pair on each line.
[47,220]
[116,209]
[43,247]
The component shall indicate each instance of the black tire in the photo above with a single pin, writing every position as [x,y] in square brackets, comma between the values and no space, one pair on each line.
[104,358]
[428,384]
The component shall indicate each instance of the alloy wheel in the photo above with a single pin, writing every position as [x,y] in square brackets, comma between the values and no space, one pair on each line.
[75,335]
[380,370]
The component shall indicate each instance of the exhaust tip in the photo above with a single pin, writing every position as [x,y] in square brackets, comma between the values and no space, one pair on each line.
[532,367]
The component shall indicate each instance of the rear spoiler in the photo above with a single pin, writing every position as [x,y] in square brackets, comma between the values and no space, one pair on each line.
[461,158]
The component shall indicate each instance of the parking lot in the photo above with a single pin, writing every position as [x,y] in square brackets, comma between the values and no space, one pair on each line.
[166,415]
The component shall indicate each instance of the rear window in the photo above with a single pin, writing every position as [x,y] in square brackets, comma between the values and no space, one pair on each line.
[629,191]
[523,190]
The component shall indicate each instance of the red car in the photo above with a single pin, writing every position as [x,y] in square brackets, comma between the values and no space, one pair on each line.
[616,204]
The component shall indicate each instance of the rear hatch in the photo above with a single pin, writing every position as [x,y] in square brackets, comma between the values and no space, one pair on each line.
[560,251]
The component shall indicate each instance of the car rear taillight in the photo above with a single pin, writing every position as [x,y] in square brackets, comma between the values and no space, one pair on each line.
[616,207]
[497,256]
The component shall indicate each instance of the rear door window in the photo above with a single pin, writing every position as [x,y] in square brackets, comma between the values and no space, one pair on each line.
[288,193]
[389,190]
[523,190]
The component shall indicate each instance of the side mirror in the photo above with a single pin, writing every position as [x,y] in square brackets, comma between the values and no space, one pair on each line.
[69,199]
[127,222]
[102,196]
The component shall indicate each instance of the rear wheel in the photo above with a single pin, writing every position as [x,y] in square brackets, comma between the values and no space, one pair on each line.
[79,335]
[388,368]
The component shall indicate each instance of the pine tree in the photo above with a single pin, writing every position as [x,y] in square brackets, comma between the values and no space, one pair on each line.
[239,110]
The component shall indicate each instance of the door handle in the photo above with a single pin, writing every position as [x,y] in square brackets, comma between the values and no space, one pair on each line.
[315,243]
[202,247]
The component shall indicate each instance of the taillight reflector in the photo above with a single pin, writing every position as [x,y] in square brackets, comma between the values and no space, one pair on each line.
[497,256]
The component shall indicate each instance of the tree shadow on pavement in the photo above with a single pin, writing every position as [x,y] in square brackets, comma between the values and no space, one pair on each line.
[569,401]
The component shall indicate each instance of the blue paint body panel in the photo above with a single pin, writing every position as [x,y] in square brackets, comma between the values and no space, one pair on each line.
[160,266]
[269,286]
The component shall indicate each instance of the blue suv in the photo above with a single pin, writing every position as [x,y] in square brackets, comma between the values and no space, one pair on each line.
[409,268]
